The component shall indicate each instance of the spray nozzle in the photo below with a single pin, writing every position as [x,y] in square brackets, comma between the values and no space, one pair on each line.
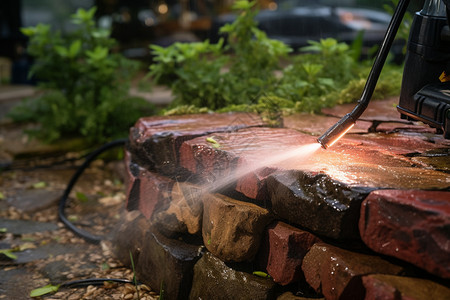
[337,131]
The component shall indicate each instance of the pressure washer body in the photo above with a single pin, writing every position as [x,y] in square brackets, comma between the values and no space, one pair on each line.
[425,92]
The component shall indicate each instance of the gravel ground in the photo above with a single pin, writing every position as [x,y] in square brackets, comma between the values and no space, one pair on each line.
[57,256]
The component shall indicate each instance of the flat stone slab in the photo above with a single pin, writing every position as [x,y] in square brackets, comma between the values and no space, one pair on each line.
[16,283]
[412,225]
[43,252]
[154,141]
[381,110]
[213,279]
[20,227]
[379,115]
[34,199]
[365,163]
[335,272]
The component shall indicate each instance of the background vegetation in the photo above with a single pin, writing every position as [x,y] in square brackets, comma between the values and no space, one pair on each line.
[254,73]
[87,83]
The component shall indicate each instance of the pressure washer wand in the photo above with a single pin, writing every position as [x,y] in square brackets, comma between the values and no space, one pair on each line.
[334,133]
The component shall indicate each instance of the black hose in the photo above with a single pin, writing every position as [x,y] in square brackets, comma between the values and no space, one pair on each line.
[63,201]
[93,281]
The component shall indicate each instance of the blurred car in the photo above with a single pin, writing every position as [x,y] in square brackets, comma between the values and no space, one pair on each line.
[295,22]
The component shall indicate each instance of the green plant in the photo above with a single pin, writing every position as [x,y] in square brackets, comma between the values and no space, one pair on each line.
[271,107]
[196,71]
[326,67]
[246,74]
[187,69]
[388,85]
[134,275]
[255,56]
[86,83]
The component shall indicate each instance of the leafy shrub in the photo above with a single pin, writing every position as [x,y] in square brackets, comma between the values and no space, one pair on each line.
[194,78]
[195,71]
[86,84]
[246,75]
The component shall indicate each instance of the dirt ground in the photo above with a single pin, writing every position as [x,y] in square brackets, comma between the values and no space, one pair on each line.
[44,251]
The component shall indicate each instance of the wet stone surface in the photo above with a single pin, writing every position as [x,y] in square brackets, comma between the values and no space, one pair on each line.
[368,162]
[411,225]
[282,252]
[129,237]
[148,192]
[390,287]
[232,230]
[336,272]
[213,279]
[229,182]
[380,116]
[167,264]
[314,201]
[243,159]
[184,214]
[155,141]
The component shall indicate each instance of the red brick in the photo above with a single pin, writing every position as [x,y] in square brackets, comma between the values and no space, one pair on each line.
[411,225]
[283,250]
[237,154]
[388,287]
[333,271]
[146,191]
[154,141]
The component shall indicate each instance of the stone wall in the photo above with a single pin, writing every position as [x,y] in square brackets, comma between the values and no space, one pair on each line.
[366,219]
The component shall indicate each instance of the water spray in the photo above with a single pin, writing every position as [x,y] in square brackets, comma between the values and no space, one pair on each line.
[338,130]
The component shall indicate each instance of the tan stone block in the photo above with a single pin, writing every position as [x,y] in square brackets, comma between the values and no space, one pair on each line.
[232,230]
[185,211]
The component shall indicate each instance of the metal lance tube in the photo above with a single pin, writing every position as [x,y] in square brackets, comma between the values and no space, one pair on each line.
[334,133]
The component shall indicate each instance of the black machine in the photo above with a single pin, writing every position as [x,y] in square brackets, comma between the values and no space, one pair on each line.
[425,92]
